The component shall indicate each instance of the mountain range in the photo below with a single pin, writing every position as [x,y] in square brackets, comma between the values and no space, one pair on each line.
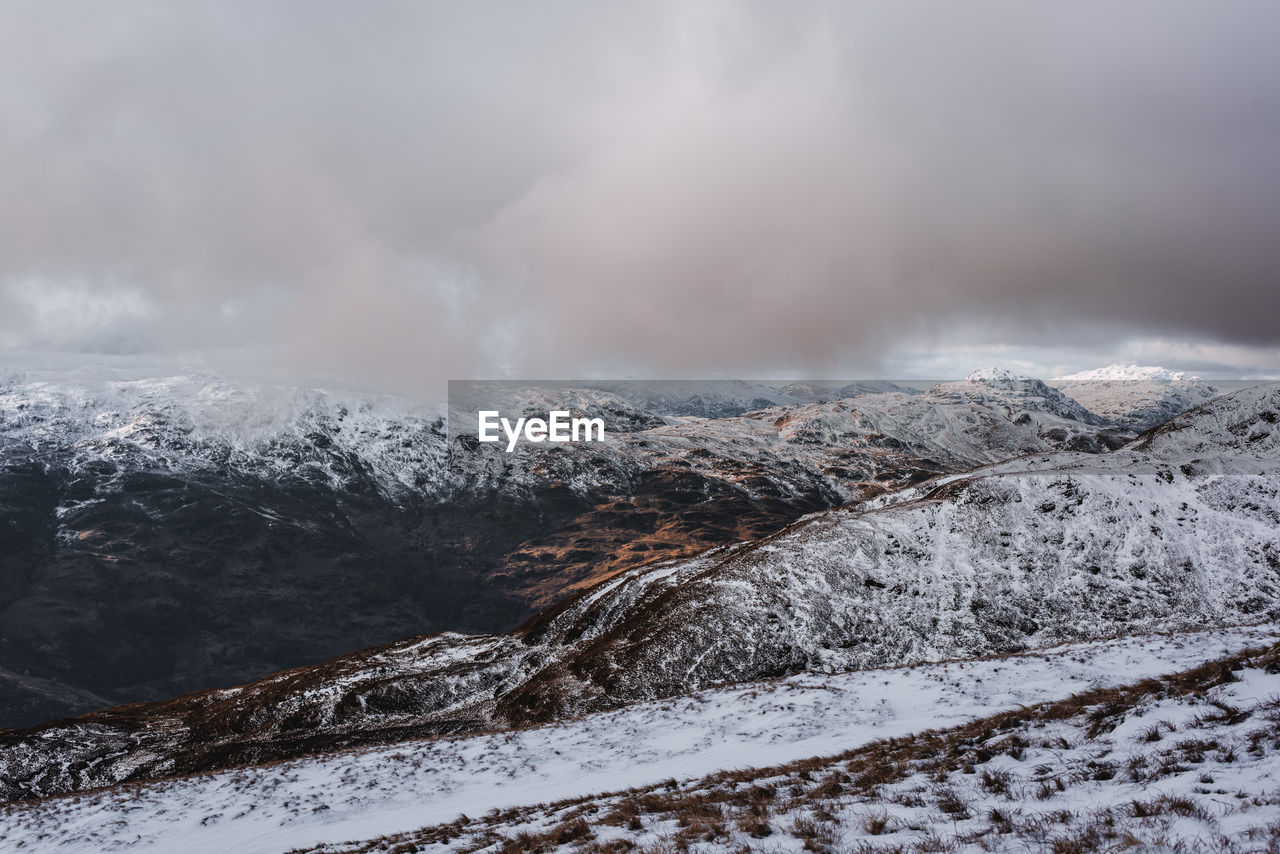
[989,516]
[175,534]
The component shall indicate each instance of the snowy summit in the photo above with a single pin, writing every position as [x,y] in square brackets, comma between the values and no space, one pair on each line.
[1131,373]
[986,375]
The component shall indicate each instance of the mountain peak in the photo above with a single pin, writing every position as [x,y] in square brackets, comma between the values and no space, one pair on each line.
[1130,373]
[996,375]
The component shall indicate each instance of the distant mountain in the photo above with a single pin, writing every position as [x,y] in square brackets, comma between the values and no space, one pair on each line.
[727,398]
[1176,529]
[1130,373]
[1138,397]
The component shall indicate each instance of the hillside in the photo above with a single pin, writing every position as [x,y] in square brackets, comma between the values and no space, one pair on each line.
[1153,765]
[485,791]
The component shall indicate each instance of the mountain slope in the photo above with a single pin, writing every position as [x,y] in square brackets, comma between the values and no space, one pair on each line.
[1179,529]
[170,535]
[1179,762]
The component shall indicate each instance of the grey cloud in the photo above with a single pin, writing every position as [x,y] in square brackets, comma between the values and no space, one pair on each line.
[410,189]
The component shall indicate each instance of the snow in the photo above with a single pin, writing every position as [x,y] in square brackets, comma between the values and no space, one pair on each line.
[1128,373]
[994,374]
[200,423]
[370,792]
[1138,397]
[1182,764]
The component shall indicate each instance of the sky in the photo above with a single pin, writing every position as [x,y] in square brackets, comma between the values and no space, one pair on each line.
[401,193]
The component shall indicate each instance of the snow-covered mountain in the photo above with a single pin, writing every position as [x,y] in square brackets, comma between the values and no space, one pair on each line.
[1129,373]
[173,534]
[838,443]
[166,535]
[1178,529]
[1139,397]
[202,424]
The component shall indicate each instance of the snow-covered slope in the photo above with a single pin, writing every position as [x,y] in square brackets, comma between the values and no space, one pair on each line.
[368,793]
[1139,397]
[1179,529]
[1186,762]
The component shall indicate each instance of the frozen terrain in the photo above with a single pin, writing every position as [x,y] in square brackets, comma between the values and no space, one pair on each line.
[372,792]
[1053,540]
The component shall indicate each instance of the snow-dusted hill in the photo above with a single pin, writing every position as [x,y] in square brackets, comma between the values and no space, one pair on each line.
[1178,529]
[956,426]
[727,398]
[204,425]
[505,781]
[1139,397]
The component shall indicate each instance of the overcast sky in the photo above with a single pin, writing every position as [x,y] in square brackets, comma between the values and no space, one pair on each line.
[409,191]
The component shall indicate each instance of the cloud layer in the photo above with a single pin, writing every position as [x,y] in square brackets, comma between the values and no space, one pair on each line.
[420,190]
